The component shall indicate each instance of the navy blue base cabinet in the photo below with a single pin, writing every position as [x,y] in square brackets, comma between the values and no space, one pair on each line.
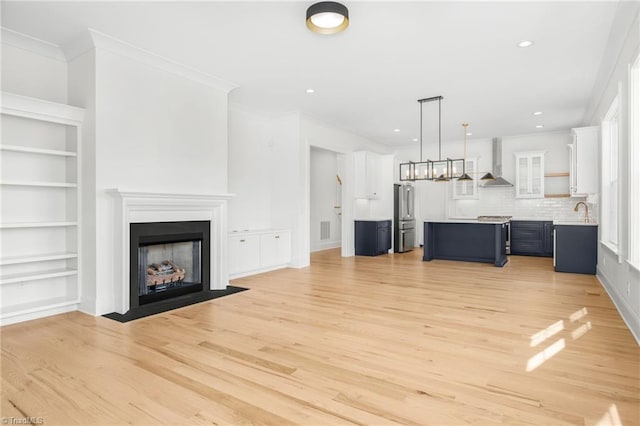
[372,237]
[470,242]
[576,249]
[532,238]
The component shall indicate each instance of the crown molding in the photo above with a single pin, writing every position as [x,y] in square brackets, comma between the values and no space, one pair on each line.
[94,39]
[32,44]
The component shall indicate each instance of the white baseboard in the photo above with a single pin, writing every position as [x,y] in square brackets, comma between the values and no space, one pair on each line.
[627,314]
[13,318]
[256,271]
[327,246]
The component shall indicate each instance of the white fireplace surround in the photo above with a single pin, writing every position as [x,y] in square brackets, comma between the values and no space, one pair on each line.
[147,207]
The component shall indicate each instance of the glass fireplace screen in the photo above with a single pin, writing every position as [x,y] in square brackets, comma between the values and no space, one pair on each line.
[169,266]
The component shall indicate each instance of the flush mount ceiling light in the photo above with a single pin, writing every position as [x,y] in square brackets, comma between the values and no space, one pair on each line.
[537,113]
[525,43]
[310,91]
[327,17]
[539,126]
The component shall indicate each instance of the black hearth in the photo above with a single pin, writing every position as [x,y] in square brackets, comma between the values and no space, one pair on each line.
[168,260]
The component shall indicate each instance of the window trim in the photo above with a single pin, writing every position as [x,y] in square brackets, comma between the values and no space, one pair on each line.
[633,164]
[614,112]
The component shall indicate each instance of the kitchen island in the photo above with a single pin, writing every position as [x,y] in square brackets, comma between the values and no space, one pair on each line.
[467,240]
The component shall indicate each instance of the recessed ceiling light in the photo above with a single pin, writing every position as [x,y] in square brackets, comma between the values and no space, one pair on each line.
[539,126]
[537,113]
[415,139]
[469,134]
[396,130]
[310,91]
[525,43]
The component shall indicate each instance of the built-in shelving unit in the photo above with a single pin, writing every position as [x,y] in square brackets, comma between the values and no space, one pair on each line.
[40,190]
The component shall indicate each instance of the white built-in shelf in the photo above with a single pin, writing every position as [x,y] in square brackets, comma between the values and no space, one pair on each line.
[42,184]
[48,160]
[34,276]
[17,225]
[45,257]
[28,150]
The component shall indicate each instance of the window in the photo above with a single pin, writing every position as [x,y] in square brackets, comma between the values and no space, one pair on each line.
[610,175]
[634,163]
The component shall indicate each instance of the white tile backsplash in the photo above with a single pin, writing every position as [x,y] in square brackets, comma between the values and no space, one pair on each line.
[502,202]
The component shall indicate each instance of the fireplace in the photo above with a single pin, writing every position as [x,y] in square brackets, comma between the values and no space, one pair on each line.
[168,260]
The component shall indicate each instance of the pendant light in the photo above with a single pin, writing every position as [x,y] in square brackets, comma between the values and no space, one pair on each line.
[327,17]
[465,176]
[437,171]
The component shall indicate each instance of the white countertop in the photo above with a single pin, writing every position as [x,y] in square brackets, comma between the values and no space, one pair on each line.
[476,221]
[574,223]
[371,219]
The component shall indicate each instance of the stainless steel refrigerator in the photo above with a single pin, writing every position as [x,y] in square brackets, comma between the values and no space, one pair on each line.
[404,219]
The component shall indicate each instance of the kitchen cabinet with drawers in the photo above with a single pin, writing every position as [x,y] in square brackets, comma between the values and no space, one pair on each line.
[532,238]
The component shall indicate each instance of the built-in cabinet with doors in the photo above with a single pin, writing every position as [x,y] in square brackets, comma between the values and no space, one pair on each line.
[252,252]
[367,181]
[583,161]
[40,190]
[530,174]
[467,189]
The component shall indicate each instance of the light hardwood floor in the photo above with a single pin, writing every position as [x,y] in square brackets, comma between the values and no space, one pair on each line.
[382,340]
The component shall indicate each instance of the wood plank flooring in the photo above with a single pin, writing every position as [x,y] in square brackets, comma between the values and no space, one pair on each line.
[382,340]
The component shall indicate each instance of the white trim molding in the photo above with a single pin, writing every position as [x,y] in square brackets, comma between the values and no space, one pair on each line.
[38,109]
[626,312]
[145,207]
[94,39]
[32,44]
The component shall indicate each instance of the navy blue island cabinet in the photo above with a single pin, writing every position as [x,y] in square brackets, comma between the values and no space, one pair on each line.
[469,241]
[373,237]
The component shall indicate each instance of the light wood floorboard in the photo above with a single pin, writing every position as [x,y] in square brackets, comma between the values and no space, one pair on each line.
[382,340]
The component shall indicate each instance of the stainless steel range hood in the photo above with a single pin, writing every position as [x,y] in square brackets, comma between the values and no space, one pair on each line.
[499,182]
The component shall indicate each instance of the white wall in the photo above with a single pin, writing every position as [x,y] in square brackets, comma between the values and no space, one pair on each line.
[148,130]
[620,279]
[284,143]
[325,195]
[32,67]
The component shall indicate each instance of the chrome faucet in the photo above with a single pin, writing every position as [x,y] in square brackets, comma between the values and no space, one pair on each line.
[586,210]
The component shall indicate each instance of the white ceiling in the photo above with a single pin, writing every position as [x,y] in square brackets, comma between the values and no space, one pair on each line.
[367,79]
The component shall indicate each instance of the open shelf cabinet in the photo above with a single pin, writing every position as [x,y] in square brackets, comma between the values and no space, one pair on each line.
[40,210]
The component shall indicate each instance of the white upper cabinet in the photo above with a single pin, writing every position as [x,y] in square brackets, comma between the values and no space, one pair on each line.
[530,174]
[467,190]
[583,161]
[367,175]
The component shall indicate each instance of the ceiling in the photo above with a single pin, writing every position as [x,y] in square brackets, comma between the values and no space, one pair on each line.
[368,78]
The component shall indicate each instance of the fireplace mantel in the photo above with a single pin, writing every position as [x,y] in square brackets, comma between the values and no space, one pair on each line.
[145,207]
